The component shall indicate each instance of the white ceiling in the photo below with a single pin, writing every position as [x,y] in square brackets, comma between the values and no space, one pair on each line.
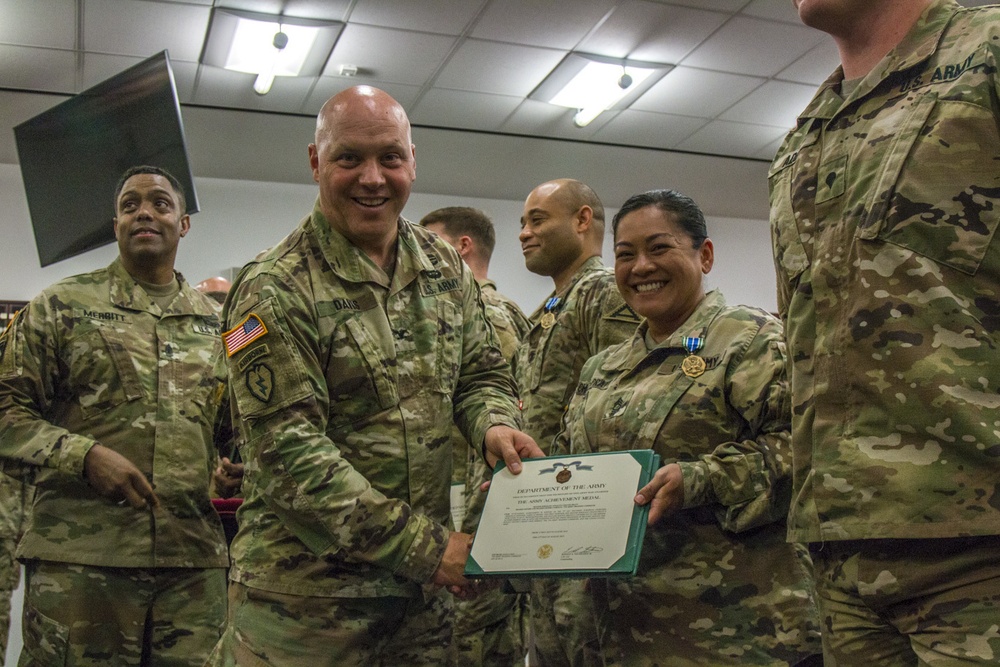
[742,69]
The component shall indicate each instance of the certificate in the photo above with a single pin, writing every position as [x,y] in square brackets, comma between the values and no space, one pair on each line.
[572,516]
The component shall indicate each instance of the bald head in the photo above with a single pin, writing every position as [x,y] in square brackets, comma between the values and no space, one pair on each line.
[364,162]
[217,288]
[360,104]
[572,195]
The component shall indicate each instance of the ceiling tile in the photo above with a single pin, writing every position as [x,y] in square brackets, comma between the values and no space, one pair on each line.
[730,6]
[722,137]
[696,92]
[534,117]
[50,23]
[449,17]
[753,46]
[775,10]
[141,28]
[540,23]
[321,10]
[328,86]
[401,56]
[653,32]
[654,130]
[38,69]
[455,108]
[775,103]
[220,87]
[815,66]
[502,69]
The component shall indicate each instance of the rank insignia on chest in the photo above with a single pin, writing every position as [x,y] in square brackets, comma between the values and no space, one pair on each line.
[244,333]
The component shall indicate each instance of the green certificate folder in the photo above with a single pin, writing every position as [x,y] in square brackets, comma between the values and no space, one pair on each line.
[564,516]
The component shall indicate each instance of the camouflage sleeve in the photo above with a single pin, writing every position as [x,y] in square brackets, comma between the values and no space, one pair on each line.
[29,372]
[577,443]
[486,394]
[604,317]
[299,471]
[749,480]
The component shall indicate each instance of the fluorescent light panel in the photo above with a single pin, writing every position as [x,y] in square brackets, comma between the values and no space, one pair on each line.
[596,85]
[590,84]
[253,52]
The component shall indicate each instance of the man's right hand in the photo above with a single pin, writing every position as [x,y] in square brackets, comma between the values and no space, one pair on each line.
[450,571]
[115,477]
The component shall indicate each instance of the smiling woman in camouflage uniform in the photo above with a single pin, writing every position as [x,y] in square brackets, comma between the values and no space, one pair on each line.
[704,385]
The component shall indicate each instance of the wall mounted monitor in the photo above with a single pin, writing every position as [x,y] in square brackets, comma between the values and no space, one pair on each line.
[73,154]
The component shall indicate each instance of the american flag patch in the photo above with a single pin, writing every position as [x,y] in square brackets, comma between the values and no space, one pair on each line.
[244,333]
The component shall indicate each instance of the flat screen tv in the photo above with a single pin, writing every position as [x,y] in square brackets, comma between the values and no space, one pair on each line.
[73,154]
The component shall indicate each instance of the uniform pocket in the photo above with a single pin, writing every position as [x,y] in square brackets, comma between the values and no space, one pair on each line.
[109,378]
[938,192]
[45,640]
[790,256]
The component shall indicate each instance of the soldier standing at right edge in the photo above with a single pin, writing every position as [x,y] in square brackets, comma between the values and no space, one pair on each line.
[885,201]
[562,231]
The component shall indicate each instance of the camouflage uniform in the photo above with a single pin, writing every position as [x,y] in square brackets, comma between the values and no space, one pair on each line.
[346,399]
[488,629]
[590,317]
[701,595]
[93,359]
[12,500]
[884,208]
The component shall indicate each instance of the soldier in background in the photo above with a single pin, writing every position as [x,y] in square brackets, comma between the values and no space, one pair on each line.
[14,495]
[111,401]
[562,232]
[216,288]
[354,344]
[884,216]
[488,629]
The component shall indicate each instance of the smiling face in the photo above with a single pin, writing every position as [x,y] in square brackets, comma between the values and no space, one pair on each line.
[658,270]
[551,231]
[149,224]
[365,165]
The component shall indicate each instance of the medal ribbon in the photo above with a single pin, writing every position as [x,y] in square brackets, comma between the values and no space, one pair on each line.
[692,344]
[552,304]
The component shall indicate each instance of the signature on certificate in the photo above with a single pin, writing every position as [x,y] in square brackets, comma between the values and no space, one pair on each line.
[582,551]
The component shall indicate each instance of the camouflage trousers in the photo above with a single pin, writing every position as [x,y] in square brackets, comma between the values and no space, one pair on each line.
[274,629]
[101,616]
[909,602]
[563,626]
[490,630]
[10,575]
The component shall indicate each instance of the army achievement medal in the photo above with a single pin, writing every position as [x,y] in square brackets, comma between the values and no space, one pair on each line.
[549,317]
[563,476]
[693,365]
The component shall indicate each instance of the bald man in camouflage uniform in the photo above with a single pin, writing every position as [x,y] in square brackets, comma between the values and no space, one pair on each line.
[562,232]
[885,203]
[488,629]
[355,343]
[111,395]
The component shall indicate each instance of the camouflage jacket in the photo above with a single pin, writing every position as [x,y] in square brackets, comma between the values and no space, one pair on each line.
[728,429]
[92,359]
[884,208]
[510,325]
[346,388]
[590,316]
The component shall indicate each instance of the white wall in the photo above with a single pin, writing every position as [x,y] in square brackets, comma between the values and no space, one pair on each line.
[238,219]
